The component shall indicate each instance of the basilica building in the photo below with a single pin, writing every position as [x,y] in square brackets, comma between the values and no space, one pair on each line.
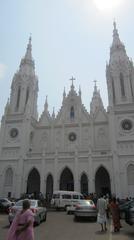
[73,149]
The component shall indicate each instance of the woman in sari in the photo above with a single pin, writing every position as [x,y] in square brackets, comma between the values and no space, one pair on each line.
[22,225]
[115,211]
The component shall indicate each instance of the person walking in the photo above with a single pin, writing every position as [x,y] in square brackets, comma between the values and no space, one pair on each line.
[22,225]
[101,216]
[115,211]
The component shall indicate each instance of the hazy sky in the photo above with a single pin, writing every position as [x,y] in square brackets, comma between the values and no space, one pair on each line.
[69,37]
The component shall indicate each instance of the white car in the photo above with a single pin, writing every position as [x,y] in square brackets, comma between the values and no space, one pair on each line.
[40,212]
[85,209]
[70,209]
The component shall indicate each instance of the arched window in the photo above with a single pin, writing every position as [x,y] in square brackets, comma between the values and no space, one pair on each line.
[122,85]
[72,112]
[27,96]
[130,174]
[18,98]
[132,91]
[9,177]
[113,91]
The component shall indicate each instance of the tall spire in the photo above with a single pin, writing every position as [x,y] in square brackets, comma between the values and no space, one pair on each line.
[28,54]
[116,44]
[28,60]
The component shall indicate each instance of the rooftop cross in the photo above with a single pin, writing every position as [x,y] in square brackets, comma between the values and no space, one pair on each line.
[95,81]
[72,79]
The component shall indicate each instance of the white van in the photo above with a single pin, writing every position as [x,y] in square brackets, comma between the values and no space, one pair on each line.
[62,199]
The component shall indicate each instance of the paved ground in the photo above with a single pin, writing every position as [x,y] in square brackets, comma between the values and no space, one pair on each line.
[60,226]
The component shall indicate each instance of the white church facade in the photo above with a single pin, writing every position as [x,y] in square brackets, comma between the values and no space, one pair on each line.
[75,149]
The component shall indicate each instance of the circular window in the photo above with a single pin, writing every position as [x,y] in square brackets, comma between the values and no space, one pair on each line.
[127,124]
[14,132]
[72,136]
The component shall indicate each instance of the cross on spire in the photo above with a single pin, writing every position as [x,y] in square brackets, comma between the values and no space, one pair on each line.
[95,81]
[72,79]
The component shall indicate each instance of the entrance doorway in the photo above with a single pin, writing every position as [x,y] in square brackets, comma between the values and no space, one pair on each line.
[102,182]
[33,182]
[84,184]
[66,180]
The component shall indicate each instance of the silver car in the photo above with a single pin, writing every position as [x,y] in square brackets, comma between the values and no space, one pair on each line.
[40,212]
[85,209]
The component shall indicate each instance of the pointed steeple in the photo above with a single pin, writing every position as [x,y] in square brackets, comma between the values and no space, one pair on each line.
[96,100]
[27,63]
[117,45]
[28,54]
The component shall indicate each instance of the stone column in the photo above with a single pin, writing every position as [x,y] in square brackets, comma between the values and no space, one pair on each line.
[43,175]
[76,179]
[56,180]
[90,172]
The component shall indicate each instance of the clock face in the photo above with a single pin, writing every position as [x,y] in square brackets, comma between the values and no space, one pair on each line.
[127,124]
[14,132]
[72,136]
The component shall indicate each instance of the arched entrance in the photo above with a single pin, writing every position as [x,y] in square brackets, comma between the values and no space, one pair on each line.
[66,180]
[84,184]
[33,182]
[49,187]
[102,182]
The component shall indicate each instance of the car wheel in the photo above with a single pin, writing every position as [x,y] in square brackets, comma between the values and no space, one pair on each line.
[44,218]
[76,218]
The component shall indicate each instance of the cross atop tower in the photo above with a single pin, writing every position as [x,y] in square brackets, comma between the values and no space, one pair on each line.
[72,79]
[95,81]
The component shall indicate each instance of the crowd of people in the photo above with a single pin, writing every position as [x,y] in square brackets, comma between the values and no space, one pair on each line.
[107,207]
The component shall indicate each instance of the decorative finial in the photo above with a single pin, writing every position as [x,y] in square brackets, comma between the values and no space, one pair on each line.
[79,90]
[53,114]
[114,23]
[95,86]
[46,104]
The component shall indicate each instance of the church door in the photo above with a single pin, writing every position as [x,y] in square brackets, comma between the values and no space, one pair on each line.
[33,182]
[49,187]
[84,184]
[102,182]
[66,180]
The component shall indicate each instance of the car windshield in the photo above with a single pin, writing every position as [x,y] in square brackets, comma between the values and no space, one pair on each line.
[20,203]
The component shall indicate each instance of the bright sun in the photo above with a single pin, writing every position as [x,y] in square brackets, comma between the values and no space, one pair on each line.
[107,4]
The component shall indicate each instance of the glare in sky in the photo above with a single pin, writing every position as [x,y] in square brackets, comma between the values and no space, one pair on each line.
[107,4]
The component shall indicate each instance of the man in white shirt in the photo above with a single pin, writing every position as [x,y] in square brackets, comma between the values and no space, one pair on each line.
[101,217]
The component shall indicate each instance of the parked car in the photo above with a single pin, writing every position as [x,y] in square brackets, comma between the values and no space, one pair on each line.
[124,208]
[5,204]
[40,212]
[85,209]
[128,211]
[70,209]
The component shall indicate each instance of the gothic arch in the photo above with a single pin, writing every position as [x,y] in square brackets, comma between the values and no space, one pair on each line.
[18,98]
[8,177]
[66,180]
[130,174]
[33,181]
[84,183]
[122,85]
[72,113]
[102,181]
[49,186]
